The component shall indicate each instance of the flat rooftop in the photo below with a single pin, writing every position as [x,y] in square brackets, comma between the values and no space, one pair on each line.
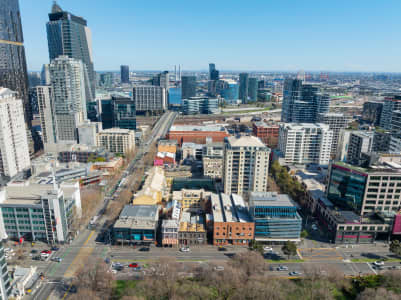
[197,128]
[139,211]
[300,126]
[226,208]
[245,141]
[270,199]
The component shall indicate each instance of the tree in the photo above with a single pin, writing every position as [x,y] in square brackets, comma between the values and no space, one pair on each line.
[257,246]
[395,247]
[304,234]
[289,249]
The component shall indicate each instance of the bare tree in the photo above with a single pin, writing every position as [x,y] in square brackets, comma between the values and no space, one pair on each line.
[377,294]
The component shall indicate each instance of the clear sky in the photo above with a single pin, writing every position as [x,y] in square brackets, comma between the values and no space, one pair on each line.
[337,35]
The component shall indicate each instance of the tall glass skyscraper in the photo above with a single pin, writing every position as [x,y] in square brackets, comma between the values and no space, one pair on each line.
[252,89]
[124,72]
[13,73]
[124,113]
[69,35]
[243,87]
[188,87]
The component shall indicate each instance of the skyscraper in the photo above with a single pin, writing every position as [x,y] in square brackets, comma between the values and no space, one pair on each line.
[162,79]
[188,87]
[149,99]
[14,151]
[213,72]
[252,89]
[69,35]
[124,72]
[243,87]
[302,103]
[13,72]
[68,84]
[391,105]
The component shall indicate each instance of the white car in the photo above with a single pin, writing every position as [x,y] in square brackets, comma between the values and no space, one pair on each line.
[266,248]
[378,263]
[184,249]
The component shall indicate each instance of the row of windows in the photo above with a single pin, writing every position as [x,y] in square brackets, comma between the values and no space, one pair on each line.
[392,178]
[19,209]
[372,228]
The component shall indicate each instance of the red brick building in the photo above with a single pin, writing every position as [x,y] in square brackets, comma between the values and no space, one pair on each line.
[268,133]
[232,224]
[197,134]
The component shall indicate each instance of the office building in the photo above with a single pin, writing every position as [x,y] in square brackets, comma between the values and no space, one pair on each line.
[390,105]
[188,87]
[124,113]
[13,70]
[372,112]
[395,144]
[149,99]
[192,230]
[117,140]
[200,105]
[305,143]
[212,159]
[45,75]
[191,199]
[14,150]
[336,122]
[359,142]
[137,224]
[268,133]
[106,80]
[382,140]
[162,79]
[213,72]
[275,216]
[69,35]
[252,89]
[243,87]
[69,101]
[47,115]
[365,190]
[124,73]
[302,103]
[228,90]
[39,211]
[246,165]
[232,224]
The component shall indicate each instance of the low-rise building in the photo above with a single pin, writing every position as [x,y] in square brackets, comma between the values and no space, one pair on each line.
[39,211]
[136,224]
[154,189]
[169,231]
[192,230]
[117,140]
[109,166]
[191,199]
[275,216]
[197,134]
[232,223]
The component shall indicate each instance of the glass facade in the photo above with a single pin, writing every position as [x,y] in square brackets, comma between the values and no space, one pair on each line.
[68,35]
[124,113]
[13,70]
[346,188]
[174,96]
[188,87]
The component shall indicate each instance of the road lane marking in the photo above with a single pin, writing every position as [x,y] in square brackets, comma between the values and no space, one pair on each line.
[374,271]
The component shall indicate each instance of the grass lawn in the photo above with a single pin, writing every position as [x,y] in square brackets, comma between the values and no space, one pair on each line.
[121,286]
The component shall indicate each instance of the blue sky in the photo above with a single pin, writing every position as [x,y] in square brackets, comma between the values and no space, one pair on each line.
[288,35]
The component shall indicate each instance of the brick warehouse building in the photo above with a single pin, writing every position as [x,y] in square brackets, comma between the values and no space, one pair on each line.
[232,223]
[268,133]
[197,134]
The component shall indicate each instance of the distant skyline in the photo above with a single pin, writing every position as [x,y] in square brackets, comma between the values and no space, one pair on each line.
[259,35]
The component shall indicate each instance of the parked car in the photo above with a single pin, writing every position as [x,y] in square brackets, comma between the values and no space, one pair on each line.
[57,259]
[37,257]
[266,248]
[54,248]
[185,249]
[46,252]
[282,268]
[33,251]
[218,268]
[133,265]
[144,249]
[222,249]
[378,263]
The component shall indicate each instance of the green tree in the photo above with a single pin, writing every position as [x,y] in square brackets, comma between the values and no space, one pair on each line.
[304,234]
[395,247]
[289,249]
[256,246]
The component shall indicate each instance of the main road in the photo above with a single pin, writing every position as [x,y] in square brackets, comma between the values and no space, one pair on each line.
[76,254]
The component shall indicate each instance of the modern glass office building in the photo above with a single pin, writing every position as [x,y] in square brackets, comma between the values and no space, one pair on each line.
[346,187]
[275,216]
[228,89]
[69,35]
[243,87]
[13,71]
[188,87]
[124,113]
[174,96]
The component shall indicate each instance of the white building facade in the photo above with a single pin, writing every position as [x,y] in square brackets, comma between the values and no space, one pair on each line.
[305,143]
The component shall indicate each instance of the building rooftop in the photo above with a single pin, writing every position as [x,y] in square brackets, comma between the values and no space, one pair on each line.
[227,208]
[300,126]
[264,125]
[245,141]
[191,223]
[138,217]
[197,128]
[270,199]
[383,167]
[117,130]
